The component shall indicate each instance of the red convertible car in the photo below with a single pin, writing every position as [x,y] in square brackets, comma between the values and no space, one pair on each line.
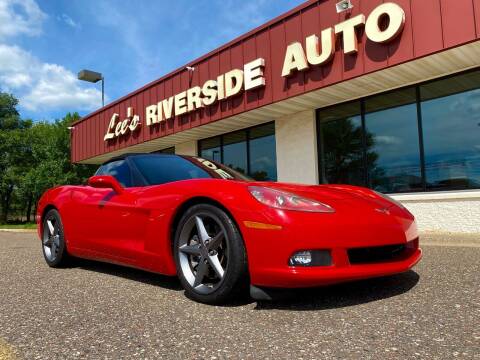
[220,232]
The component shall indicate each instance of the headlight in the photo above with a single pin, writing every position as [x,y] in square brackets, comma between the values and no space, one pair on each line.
[287,201]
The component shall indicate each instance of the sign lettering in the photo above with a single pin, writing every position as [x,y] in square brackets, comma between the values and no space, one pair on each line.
[383,24]
[296,59]
[223,87]
[117,128]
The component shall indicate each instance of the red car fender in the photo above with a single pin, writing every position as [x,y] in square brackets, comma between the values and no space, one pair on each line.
[165,211]
[58,198]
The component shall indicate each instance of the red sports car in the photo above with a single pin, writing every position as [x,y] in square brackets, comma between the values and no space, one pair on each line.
[220,232]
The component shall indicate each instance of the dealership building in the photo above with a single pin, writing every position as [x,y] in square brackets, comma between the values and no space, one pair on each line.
[384,95]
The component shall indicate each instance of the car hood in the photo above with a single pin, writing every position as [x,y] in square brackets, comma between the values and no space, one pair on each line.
[343,196]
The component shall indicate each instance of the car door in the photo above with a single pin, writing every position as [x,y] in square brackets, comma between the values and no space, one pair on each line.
[112,224]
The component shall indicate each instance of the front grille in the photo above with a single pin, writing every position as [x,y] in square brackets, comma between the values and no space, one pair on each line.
[376,254]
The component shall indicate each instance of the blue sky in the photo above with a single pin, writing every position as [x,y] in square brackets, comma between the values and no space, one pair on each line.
[44,43]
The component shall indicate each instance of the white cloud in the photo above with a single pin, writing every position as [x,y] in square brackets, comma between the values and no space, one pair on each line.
[20,17]
[43,86]
[388,140]
[69,21]
[39,86]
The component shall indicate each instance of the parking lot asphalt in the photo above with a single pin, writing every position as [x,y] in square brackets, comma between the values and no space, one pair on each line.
[102,311]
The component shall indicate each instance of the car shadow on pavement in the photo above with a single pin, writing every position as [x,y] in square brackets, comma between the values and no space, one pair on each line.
[320,298]
[341,295]
[167,282]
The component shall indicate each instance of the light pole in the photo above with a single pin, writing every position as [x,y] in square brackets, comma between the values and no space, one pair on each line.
[93,77]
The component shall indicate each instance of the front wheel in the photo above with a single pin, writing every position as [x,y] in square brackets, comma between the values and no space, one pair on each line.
[210,255]
[53,240]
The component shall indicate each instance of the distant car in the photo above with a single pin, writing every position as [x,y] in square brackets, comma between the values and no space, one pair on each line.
[220,231]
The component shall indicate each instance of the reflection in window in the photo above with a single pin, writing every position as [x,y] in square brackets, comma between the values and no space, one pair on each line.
[263,156]
[235,151]
[211,149]
[451,126]
[251,151]
[341,139]
[388,142]
[394,151]
[119,169]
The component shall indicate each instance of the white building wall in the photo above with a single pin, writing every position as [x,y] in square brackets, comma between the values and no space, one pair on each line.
[456,212]
[296,146]
[187,148]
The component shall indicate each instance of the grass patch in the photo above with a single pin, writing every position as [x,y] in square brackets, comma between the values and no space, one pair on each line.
[18,226]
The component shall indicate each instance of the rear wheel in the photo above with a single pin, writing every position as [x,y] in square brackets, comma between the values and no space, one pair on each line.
[210,255]
[53,240]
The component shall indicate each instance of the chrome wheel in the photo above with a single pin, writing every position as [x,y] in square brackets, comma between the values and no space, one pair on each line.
[203,252]
[51,238]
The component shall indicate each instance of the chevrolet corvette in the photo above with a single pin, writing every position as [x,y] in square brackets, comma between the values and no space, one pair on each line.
[223,233]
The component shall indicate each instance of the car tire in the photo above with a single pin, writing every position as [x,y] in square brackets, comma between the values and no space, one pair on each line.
[211,262]
[53,240]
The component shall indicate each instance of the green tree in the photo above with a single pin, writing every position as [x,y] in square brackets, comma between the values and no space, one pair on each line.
[14,160]
[14,150]
[33,158]
[9,116]
[50,154]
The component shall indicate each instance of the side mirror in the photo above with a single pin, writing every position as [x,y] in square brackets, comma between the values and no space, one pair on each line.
[105,182]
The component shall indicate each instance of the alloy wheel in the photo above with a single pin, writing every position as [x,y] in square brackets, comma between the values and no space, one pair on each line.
[203,252]
[51,238]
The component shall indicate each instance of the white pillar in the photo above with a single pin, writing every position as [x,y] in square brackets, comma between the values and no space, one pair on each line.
[187,148]
[296,144]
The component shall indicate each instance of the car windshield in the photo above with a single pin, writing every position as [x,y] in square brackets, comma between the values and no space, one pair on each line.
[161,169]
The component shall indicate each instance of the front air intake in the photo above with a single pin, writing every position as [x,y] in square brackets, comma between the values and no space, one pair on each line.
[376,254]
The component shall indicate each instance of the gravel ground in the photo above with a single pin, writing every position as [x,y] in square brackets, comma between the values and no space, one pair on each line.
[100,311]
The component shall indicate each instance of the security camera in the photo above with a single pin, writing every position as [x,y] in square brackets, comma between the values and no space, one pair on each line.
[344,5]
[190,68]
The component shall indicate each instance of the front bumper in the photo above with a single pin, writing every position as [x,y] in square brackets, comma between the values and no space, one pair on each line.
[269,250]
[299,277]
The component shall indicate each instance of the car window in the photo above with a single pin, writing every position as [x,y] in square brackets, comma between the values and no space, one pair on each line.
[161,169]
[119,170]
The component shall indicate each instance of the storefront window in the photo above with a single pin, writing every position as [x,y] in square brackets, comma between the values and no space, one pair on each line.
[451,123]
[235,151]
[263,156]
[170,150]
[393,149]
[211,149]
[250,151]
[341,140]
[422,138]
